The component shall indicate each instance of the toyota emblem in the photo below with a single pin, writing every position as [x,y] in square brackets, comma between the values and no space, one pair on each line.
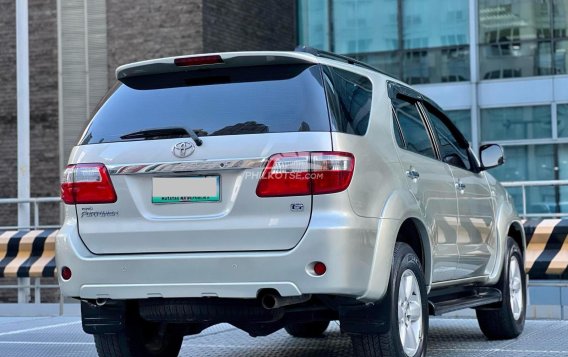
[183,149]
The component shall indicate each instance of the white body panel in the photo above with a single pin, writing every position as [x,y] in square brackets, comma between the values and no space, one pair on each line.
[242,244]
[241,221]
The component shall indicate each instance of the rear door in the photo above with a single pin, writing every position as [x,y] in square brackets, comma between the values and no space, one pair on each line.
[475,237]
[176,196]
[431,182]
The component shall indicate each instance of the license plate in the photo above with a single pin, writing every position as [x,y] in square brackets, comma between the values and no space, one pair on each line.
[185,189]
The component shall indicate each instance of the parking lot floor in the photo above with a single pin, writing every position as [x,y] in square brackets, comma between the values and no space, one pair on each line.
[63,336]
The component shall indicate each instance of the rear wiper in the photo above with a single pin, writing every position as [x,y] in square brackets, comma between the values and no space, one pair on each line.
[163,133]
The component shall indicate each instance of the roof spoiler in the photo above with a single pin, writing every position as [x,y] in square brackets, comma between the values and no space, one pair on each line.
[212,60]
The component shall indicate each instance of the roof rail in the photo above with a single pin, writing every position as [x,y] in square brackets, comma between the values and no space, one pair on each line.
[334,56]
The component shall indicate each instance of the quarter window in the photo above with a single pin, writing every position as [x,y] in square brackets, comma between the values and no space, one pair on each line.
[349,97]
[416,136]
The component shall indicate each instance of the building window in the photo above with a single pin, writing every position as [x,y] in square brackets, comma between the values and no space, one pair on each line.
[547,160]
[562,120]
[512,21]
[516,123]
[363,26]
[518,38]
[427,42]
[522,59]
[461,119]
[526,163]
[435,65]
[560,63]
[431,24]
[529,163]
[560,18]
[536,162]
[313,17]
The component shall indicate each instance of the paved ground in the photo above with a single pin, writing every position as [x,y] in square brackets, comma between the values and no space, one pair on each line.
[62,336]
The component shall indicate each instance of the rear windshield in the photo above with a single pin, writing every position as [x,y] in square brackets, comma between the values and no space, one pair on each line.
[252,100]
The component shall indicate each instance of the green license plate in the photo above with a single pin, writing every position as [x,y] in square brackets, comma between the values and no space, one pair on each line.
[186,189]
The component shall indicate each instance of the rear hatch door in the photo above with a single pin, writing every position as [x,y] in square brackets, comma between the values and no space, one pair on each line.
[176,196]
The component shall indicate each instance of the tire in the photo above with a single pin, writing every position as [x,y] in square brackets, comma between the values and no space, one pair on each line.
[140,338]
[307,329]
[406,268]
[506,321]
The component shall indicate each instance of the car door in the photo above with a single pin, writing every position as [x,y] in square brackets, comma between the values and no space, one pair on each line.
[475,236]
[432,184]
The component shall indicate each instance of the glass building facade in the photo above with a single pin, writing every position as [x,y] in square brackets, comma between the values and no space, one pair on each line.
[498,67]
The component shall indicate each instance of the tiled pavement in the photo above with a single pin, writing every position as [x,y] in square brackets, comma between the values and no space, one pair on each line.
[63,336]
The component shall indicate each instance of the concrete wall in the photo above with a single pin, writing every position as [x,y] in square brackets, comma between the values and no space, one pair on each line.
[83,68]
[43,105]
[135,30]
[141,30]
[234,25]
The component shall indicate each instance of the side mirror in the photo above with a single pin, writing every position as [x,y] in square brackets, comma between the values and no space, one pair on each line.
[491,156]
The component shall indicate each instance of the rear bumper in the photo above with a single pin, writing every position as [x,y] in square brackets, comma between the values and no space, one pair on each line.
[347,244]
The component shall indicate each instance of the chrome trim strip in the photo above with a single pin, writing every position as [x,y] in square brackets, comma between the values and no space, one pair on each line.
[474,279]
[185,166]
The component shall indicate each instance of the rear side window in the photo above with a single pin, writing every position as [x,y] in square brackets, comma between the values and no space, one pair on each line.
[349,97]
[416,138]
[212,102]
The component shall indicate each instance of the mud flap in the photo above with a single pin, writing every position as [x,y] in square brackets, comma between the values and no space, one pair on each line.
[108,318]
[371,318]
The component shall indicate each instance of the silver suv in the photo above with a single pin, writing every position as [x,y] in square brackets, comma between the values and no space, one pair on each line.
[278,190]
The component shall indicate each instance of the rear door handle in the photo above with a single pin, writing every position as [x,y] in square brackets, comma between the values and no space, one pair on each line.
[460,186]
[413,174]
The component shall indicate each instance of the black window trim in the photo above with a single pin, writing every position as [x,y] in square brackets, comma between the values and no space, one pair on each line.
[399,91]
[431,130]
[412,99]
[427,102]
[397,127]
[446,120]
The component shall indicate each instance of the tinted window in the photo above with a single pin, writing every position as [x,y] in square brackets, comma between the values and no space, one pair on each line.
[452,150]
[415,134]
[264,99]
[349,96]
[397,131]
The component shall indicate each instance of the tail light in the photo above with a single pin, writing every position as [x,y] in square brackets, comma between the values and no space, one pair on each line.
[306,173]
[87,184]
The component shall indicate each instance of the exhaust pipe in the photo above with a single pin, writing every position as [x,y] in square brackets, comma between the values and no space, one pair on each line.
[274,301]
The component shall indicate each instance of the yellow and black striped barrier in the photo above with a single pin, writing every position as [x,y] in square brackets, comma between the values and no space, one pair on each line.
[27,254]
[547,248]
[32,253]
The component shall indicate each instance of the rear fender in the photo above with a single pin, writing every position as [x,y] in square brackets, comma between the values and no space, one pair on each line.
[400,206]
[505,219]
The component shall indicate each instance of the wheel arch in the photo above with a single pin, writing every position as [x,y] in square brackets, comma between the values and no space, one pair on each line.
[413,232]
[401,211]
[517,232]
[508,225]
